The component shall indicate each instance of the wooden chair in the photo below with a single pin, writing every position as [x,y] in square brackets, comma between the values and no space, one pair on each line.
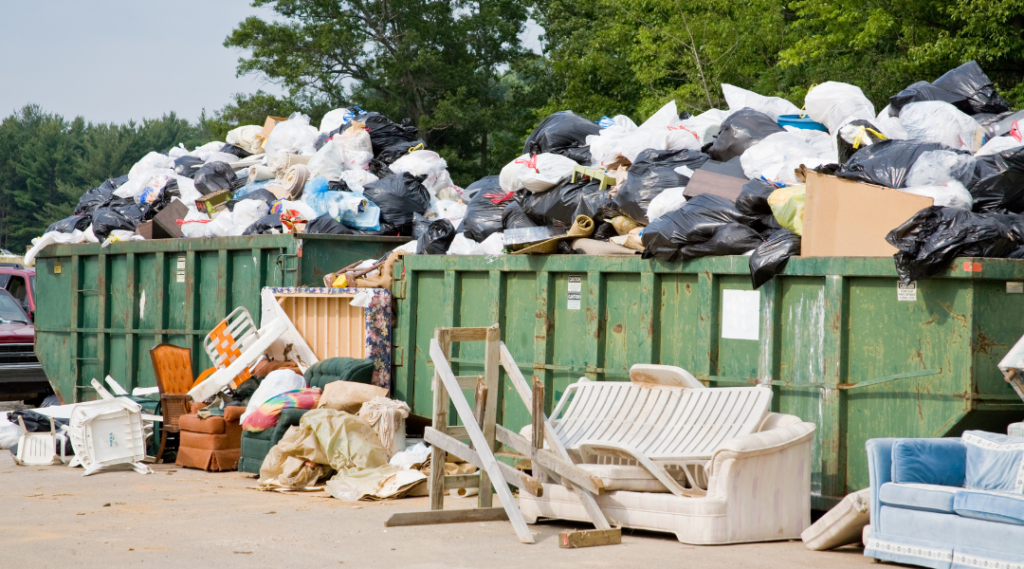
[172,366]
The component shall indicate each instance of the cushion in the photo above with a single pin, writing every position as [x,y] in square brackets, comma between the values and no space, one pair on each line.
[206,441]
[267,415]
[926,497]
[994,462]
[624,477]
[929,461]
[193,424]
[339,369]
[349,396]
[842,525]
[999,507]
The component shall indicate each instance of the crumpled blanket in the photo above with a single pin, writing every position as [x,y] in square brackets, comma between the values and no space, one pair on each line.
[267,415]
[346,444]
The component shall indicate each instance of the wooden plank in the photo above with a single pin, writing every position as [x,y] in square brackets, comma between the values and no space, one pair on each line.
[440,422]
[468,381]
[468,334]
[490,464]
[430,517]
[589,538]
[489,412]
[480,404]
[547,459]
[512,476]
[458,432]
[456,481]
[538,414]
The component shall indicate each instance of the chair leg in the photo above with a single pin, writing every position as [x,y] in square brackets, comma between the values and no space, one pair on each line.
[163,443]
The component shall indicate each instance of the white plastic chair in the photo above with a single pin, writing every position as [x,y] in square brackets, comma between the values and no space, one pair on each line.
[107,432]
[657,426]
[38,449]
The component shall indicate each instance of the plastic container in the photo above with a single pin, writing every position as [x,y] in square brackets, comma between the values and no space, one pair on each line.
[801,121]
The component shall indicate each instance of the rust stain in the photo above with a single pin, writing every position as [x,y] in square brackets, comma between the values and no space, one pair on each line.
[687,287]
[617,328]
[985,344]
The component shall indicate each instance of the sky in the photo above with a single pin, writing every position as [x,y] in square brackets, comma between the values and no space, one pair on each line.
[116,60]
[119,60]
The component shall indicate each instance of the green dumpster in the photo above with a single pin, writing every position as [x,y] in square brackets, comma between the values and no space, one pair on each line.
[100,310]
[839,342]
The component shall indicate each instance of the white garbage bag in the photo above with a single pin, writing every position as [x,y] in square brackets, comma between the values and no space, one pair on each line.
[49,238]
[247,212]
[667,201]
[293,136]
[247,137]
[151,161]
[494,244]
[451,210]
[328,162]
[834,104]
[707,124]
[356,179]
[663,131]
[999,144]
[606,140]
[537,173]
[950,194]
[463,245]
[938,167]
[196,224]
[774,107]
[355,137]
[889,126]
[425,162]
[778,155]
[334,120]
[187,190]
[939,121]
[145,186]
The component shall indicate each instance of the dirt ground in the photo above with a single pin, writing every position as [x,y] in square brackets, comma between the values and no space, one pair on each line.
[53,517]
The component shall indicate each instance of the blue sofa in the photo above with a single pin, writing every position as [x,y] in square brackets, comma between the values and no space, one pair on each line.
[947,503]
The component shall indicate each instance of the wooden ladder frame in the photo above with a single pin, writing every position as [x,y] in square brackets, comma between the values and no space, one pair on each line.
[479,426]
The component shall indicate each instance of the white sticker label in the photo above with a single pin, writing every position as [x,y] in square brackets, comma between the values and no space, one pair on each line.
[1014,288]
[575,292]
[906,292]
[181,270]
[741,314]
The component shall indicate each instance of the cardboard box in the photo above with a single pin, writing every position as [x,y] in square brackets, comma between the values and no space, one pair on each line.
[843,218]
[165,223]
[212,204]
[269,124]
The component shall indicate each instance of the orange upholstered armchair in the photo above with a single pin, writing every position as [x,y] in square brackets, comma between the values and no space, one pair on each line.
[212,443]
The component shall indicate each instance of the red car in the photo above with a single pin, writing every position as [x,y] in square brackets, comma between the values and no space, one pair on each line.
[21,375]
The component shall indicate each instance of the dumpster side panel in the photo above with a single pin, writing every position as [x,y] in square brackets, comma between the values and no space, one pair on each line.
[106,308]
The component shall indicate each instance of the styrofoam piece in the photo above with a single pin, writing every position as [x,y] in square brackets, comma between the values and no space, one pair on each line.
[38,449]
[108,432]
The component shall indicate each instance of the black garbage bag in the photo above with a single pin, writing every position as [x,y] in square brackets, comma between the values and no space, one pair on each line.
[515,218]
[214,176]
[327,225]
[753,201]
[379,168]
[36,422]
[652,173]
[925,91]
[114,183]
[436,239]
[420,224]
[1002,187]
[399,196]
[743,129]
[93,200]
[729,239]
[677,234]
[127,218]
[262,195]
[236,150]
[936,235]
[771,256]
[266,225]
[559,204]
[70,224]
[396,151]
[970,81]
[484,211]
[849,141]
[384,133]
[886,163]
[563,133]
[187,166]
[597,206]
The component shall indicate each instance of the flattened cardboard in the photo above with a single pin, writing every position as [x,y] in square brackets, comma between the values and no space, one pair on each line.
[708,182]
[843,218]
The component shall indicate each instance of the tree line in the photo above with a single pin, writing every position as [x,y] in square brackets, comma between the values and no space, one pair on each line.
[459,70]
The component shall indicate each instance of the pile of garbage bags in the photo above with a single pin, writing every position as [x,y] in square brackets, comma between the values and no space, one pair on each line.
[675,187]
[358,173]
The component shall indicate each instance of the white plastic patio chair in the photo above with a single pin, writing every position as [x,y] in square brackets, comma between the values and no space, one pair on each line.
[107,432]
[657,426]
[39,449]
